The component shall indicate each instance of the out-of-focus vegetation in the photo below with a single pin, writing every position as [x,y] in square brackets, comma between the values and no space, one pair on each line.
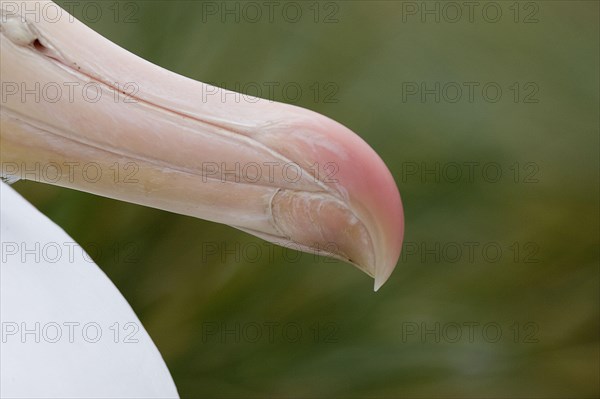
[540,291]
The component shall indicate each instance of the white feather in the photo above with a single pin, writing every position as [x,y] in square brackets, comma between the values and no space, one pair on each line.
[54,301]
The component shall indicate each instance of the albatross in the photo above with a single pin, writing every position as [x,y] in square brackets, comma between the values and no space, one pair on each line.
[279,172]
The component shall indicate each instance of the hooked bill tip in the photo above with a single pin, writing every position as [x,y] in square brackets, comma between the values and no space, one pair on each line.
[380,280]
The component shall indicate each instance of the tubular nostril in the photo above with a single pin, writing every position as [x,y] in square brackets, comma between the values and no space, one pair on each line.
[37,44]
[17,31]
[23,34]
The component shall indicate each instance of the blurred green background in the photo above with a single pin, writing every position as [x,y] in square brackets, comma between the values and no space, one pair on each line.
[514,253]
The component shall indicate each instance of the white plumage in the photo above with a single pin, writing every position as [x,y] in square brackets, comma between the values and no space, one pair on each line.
[59,313]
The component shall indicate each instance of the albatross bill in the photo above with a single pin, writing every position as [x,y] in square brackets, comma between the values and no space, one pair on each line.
[283,173]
